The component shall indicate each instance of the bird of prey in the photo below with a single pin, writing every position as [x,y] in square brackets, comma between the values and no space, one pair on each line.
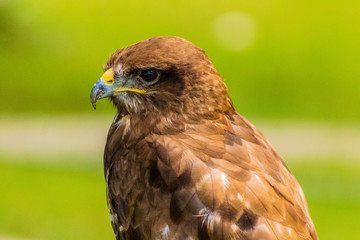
[180,162]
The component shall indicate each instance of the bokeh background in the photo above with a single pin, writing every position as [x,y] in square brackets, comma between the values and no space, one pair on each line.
[292,68]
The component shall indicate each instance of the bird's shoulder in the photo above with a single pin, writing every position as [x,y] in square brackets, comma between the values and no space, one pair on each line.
[225,171]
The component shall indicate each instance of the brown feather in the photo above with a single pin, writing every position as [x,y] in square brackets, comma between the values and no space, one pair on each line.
[180,163]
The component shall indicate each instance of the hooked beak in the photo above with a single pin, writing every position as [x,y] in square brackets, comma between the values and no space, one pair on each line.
[103,87]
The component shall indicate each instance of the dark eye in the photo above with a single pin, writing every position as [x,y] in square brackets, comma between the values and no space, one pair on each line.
[149,75]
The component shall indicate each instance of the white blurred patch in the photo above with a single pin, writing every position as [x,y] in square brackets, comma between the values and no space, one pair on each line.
[262,227]
[56,137]
[234,30]
[119,69]
[224,180]
[257,178]
[240,197]
[278,227]
[165,233]
[234,227]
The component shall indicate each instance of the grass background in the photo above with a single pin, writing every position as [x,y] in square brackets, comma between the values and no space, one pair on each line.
[301,64]
[303,60]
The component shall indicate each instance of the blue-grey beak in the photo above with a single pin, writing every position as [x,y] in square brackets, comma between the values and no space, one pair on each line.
[99,91]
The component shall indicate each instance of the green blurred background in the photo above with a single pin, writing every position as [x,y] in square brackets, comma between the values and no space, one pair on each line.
[286,63]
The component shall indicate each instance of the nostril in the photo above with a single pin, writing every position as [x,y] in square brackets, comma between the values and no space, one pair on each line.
[109,82]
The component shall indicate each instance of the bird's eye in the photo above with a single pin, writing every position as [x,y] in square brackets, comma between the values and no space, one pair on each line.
[148,75]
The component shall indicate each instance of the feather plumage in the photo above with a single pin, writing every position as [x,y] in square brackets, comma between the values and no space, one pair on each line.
[180,163]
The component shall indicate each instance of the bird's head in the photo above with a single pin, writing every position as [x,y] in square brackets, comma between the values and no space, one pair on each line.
[162,74]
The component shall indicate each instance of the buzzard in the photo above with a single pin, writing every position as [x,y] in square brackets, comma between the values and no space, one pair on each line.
[180,162]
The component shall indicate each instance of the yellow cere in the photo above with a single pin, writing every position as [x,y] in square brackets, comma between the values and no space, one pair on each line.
[108,77]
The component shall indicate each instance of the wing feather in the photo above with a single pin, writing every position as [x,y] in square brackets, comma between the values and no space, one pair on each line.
[234,173]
